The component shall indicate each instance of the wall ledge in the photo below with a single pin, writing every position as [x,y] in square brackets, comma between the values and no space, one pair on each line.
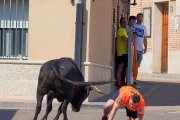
[22,62]
[96,65]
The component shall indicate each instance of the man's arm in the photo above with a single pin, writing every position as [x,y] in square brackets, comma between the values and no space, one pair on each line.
[123,38]
[145,44]
[113,111]
[139,117]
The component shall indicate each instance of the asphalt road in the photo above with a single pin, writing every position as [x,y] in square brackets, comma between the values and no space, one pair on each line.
[93,113]
[162,103]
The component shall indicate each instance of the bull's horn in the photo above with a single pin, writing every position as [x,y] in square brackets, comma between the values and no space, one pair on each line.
[95,83]
[97,90]
[82,83]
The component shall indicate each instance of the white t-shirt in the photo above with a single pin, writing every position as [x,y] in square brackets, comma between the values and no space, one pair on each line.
[129,28]
[140,33]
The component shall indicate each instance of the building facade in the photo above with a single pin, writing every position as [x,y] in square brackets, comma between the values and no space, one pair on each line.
[162,20]
[35,31]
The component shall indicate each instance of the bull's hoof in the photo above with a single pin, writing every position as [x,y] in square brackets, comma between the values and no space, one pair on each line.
[104,118]
[44,118]
[35,118]
[55,118]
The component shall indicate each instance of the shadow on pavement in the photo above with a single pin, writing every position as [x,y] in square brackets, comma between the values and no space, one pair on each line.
[156,93]
[163,94]
[7,114]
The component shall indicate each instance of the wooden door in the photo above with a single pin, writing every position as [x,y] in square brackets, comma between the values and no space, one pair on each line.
[164,57]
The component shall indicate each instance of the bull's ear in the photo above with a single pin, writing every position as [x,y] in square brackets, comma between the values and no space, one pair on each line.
[89,88]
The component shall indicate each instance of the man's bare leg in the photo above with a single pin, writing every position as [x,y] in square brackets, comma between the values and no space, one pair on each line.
[130,118]
[107,108]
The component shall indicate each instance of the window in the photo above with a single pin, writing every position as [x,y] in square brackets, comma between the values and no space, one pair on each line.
[147,20]
[14,29]
[177,7]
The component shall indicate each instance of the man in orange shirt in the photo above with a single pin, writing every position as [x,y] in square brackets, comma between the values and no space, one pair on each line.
[128,97]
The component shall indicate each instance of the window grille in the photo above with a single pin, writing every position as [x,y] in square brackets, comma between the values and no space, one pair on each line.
[178,7]
[147,19]
[14,18]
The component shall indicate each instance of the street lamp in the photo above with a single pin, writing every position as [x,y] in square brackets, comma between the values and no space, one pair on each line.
[72,2]
[133,2]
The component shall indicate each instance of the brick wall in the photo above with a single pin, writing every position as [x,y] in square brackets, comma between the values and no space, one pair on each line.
[134,10]
[174,37]
[119,9]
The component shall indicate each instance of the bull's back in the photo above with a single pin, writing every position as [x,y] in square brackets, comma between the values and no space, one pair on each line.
[67,68]
[63,67]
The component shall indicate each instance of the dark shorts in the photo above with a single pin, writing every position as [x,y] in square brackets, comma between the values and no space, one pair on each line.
[122,59]
[130,113]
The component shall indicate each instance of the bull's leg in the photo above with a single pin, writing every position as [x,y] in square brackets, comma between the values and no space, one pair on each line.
[59,112]
[64,109]
[50,97]
[39,98]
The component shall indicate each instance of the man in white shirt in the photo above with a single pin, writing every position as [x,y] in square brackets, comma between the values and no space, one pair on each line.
[141,38]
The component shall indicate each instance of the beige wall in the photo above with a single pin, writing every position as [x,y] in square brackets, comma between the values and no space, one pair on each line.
[18,81]
[51,29]
[97,43]
[157,38]
[100,40]
[52,35]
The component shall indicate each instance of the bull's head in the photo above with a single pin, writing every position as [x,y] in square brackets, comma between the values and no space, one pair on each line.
[79,98]
[85,89]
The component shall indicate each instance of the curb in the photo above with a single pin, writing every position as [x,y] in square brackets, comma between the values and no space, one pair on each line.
[175,78]
[25,105]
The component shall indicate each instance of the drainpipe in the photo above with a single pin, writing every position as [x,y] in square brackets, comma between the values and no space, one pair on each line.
[129,4]
[79,33]
[130,78]
[130,37]
[130,57]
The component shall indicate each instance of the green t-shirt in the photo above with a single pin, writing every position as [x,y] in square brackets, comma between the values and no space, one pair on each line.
[121,46]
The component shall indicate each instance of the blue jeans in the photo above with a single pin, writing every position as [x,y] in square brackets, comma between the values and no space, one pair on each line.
[114,95]
[139,57]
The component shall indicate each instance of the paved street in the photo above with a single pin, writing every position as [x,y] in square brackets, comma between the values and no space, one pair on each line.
[93,113]
[162,103]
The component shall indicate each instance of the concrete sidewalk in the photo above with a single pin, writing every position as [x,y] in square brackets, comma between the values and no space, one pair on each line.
[157,89]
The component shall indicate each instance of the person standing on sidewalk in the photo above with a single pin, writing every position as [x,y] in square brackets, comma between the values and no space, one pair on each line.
[141,38]
[122,53]
[130,26]
[129,98]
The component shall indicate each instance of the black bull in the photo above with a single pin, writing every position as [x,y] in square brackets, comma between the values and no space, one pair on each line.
[61,79]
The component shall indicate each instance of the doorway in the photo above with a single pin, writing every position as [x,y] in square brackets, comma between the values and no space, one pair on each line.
[164,48]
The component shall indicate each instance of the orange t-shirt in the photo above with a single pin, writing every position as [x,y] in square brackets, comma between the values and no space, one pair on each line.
[125,94]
